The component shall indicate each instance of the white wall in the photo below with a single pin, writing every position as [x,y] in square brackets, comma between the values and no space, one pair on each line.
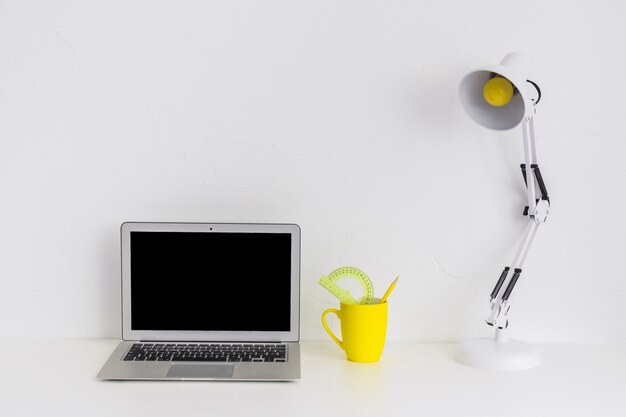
[341,116]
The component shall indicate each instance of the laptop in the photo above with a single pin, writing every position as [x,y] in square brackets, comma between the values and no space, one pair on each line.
[209,302]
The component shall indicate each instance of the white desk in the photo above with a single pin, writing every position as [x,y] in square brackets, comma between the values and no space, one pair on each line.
[43,377]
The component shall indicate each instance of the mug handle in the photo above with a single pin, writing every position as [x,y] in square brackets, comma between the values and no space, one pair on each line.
[330,333]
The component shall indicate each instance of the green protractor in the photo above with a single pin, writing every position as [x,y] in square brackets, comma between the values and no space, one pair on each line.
[330,283]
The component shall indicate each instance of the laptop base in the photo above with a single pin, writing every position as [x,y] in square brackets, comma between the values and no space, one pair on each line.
[118,369]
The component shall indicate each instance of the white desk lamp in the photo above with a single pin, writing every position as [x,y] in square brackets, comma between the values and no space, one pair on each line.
[496,98]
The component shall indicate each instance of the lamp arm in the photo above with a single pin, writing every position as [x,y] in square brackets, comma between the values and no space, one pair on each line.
[530,159]
[538,206]
[537,211]
[501,293]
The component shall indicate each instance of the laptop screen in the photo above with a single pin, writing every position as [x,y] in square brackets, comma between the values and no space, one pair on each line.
[195,281]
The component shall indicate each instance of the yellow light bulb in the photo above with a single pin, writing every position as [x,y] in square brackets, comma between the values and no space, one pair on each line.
[498,91]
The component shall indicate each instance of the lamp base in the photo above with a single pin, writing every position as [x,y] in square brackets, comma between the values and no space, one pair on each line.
[497,353]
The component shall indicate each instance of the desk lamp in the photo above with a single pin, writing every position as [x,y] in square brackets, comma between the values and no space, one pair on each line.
[495,97]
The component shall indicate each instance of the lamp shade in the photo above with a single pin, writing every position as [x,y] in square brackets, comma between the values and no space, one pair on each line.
[513,68]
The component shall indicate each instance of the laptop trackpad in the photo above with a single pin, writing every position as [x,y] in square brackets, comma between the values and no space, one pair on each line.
[198,370]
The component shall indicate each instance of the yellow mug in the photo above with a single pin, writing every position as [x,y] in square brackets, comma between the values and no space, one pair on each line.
[363,329]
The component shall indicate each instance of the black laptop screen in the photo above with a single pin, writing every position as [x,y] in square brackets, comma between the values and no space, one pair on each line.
[210,281]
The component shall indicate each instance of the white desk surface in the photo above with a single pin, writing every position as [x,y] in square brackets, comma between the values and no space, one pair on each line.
[56,377]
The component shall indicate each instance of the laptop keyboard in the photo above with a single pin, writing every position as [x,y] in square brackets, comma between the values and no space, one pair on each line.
[206,352]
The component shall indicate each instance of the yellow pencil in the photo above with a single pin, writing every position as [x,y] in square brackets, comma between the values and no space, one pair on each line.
[391,287]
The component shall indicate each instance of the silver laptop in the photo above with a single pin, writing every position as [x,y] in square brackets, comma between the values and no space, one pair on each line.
[209,301]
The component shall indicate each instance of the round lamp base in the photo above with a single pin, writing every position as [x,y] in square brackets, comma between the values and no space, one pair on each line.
[489,353]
